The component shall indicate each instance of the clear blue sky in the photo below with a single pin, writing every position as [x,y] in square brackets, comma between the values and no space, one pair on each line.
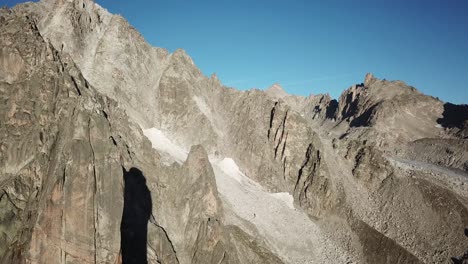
[313,46]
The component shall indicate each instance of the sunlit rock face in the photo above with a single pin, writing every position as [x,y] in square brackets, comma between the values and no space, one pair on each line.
[112,150]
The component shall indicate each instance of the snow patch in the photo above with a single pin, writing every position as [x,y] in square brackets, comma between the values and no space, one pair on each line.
[160,142]
[228,166]
[285,197]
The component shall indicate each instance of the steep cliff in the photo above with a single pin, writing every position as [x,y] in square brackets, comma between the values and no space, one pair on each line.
[64,152]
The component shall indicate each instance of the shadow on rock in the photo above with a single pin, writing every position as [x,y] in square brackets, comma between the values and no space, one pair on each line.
[454,116]
[136,214]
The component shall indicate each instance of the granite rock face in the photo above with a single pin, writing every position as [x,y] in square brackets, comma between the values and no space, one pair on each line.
[62,153]
[377,176]
[64,148]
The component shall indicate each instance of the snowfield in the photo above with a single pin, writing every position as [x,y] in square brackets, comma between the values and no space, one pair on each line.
[165,146]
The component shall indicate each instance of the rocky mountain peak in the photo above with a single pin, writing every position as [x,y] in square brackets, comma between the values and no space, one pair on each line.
[276,91]
[182,55]
[369,79]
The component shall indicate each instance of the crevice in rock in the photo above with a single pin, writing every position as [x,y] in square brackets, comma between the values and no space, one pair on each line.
[306,160]
[105,115]
[64,175]
[113,140]
[128,151]
[222,259]
[310,178]
[308,181]
[136,215]
[305,191]
[276,133]
[154,222]
[96,213]
[76,85]
[283,128]
[272,115]
[284,145]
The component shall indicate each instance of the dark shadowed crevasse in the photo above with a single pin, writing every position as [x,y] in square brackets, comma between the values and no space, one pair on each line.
[135,217]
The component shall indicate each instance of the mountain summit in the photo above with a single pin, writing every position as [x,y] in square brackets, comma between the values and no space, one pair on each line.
[276,91]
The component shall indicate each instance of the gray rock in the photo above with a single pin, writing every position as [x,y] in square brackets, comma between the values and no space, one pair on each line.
[62,152]
[369,169]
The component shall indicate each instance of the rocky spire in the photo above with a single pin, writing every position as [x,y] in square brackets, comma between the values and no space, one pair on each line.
[369,79]
[276,91]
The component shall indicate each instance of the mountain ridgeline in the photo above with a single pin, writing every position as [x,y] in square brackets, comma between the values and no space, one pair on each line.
[114,151]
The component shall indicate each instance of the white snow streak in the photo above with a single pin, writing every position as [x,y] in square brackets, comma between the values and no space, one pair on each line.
[285,197]
[161,143]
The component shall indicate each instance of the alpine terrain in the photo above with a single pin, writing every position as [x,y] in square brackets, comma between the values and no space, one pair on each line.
[114,151]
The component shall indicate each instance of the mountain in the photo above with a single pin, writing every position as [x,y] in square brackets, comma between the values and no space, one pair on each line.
[103,134]
[276,91]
